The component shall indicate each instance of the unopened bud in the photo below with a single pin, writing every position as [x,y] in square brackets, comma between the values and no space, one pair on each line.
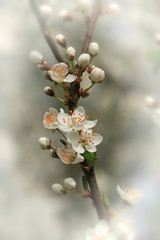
[66,16]
[97,75]
[70,184]
[84,60]
[70,53]
[61,40]
[58,189]
[36,57]
[112,8]
[45,11]
[53,153]
[49,91]
[44,66]
[150,102]
[45,143]
[93,49]
[83,5]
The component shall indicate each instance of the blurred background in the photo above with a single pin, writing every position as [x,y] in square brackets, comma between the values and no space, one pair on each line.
[130,151]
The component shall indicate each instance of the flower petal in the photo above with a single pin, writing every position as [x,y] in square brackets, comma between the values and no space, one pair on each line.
[70,78]
[90,124]
[78,147]
[64,118]
[96,138]
[55,76]
[64,128]
[79,113]
[52,125]
[72,137]
[78,159]
[91,148]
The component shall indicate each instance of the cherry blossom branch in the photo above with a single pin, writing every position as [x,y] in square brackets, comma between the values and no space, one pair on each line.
[46,32]
[95,192]
[91,21]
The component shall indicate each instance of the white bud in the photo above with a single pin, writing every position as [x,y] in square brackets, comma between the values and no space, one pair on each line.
[36,57]
[66,15]
[97,75]
[150,102]
[157,38]
[70,53]
[45,143]
[61,40]
[112,8]
[93,49]
[58,189]
[83,5]
[45,11]
[84,60]
[70,184]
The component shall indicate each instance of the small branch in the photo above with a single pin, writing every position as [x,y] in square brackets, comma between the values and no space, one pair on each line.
[91,21]
[95,193]
[46,32]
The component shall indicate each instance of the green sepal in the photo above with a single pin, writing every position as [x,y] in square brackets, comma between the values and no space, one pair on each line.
[63,142]
[53,130]
[106,202]
[85,183]
[90,156]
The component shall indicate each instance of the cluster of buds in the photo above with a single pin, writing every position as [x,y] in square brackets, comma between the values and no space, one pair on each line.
[68,185]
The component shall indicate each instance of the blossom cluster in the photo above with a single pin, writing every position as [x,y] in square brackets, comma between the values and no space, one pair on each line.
[80,136]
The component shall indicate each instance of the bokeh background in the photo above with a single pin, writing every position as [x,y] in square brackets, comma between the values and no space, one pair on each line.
[130,152]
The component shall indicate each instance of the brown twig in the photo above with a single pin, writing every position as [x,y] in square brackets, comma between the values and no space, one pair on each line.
[95,193]
[91,21]
[46,32]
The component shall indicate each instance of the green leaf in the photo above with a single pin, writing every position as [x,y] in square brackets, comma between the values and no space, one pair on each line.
[63,142]
[106,202]
[85,183]
[90,156]
[53,130]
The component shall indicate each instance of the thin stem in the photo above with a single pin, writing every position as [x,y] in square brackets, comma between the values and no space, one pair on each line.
[46,32]
[58,98]
[62,134]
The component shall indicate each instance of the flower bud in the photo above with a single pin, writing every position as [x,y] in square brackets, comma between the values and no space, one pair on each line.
[61,40]
[112,8]
[49,91]
[84,60]
[93,49]
[53,153]
[45,11]
[70,184]
[58,189]
[83,5]
[47,75]
[70,53]
[65,16]
[36,57]
[90,68]
[150,102]
[97,75]
[45,143]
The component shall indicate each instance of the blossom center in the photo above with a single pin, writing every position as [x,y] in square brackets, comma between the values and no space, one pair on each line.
[60,71]
[68,156]
[50,118]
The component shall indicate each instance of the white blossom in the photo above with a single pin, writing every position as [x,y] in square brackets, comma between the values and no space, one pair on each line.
[125,231]
[93,49]
[130,196]
[70,184]
[112,8]
[65,15]
[45,11]
[59,73]
[74,121]
[58,189]
[45,143]
[36,57]
[82,141]
[50,119]
[150,102]
[97,75]
[84,60]
[68,155]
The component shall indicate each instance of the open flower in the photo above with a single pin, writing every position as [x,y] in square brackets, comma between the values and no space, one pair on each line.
[59,73]
[130,196]
[68,155]
[50,119]
[74,121]
[84,140]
